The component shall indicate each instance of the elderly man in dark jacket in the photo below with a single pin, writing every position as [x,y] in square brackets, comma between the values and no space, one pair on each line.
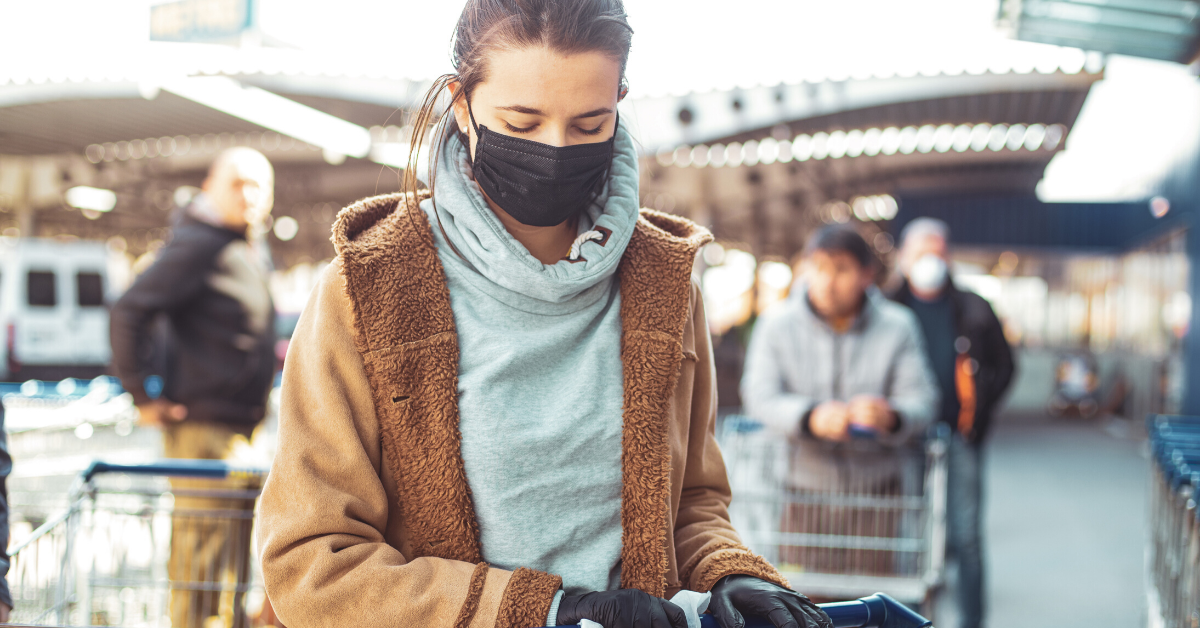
[210,283]
[973,365]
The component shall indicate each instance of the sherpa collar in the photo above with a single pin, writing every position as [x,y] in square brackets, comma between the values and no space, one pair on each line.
[405,332]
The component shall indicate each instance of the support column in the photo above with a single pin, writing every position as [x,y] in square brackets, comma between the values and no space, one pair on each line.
[25,220]
[15,183]
[1191,343]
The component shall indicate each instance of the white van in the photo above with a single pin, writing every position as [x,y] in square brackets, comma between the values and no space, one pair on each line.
[53,309]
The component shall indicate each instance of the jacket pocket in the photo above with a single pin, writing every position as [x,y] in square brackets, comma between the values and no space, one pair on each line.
[415,389]
[415,373]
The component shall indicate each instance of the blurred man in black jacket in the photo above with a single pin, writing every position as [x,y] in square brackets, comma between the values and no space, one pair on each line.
[210,283]
[974,365]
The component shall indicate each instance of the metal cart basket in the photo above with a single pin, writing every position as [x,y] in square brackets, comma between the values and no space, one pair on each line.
[846,532]
[1173,555]
[109,559]
[106,560]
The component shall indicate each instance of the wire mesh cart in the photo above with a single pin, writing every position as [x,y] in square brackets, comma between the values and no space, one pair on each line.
[159,544]
[847,530]
[108,559]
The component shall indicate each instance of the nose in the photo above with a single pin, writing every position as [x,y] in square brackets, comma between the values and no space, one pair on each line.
[556,136]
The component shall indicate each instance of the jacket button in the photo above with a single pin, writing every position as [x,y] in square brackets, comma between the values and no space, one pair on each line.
[961,344]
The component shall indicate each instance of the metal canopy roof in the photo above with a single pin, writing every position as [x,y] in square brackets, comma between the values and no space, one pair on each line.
[664,123]
[70,126]
[87,130]
[1158,29]
[1055,105]
[1025,222]
[143,143]
[997,140]
[66,117]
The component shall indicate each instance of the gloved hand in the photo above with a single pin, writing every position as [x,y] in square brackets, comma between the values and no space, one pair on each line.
[623,608]
[738,595]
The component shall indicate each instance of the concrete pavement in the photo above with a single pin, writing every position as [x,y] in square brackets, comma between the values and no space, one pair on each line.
[1066,517]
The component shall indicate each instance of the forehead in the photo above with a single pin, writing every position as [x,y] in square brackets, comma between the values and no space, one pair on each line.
[547,80]
[249,167]
[833,258]
[925,242]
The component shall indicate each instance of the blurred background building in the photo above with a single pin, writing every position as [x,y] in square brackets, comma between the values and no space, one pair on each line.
[1063,167]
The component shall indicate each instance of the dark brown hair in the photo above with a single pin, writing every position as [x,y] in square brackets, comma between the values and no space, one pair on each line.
[566,26]
[842,239]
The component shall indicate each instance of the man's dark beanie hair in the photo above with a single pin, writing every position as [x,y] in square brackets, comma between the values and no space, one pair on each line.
[841,239]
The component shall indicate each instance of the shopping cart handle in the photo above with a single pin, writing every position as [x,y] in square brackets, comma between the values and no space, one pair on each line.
[875,611]
[218,469]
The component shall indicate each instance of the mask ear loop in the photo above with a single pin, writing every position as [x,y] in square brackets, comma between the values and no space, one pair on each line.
[612,154]
[474,125]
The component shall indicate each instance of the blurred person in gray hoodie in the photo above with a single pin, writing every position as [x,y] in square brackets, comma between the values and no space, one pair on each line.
[841,372]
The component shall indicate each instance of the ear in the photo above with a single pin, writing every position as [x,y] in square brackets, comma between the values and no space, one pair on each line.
[462,118]
[869,274]
[269,203]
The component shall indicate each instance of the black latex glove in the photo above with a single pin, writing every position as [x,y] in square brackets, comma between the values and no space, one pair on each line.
[738,595]
[623,608]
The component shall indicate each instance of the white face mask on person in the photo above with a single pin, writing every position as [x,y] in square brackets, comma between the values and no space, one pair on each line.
[928,273]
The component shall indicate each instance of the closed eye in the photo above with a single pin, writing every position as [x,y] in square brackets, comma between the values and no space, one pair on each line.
[515,129]
[595,131]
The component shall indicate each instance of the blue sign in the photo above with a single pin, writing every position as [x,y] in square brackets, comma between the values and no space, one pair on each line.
[202,21]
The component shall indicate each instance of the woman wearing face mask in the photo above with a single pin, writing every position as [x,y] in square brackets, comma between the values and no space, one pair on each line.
[498,406]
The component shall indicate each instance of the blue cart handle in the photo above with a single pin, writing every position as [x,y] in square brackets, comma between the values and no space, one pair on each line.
[215,469]
[875,611]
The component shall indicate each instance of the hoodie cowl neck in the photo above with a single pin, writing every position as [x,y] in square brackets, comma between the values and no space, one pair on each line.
[497,263]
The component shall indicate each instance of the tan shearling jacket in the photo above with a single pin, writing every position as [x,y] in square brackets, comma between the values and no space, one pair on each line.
[366,518]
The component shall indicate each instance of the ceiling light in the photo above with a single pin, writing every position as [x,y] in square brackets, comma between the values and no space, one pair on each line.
[275,112]
[95,199]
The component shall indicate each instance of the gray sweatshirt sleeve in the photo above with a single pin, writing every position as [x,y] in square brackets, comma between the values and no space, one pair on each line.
[913,393]
[765,393]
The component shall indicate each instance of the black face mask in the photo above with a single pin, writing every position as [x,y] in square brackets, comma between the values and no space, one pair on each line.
[537,184]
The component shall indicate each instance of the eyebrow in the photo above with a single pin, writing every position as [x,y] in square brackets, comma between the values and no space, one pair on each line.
[537,112]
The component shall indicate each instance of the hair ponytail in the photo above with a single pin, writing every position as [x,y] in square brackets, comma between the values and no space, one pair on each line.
[427,116]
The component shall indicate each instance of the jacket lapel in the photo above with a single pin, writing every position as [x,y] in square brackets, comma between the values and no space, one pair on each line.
[406,334]
[654,276]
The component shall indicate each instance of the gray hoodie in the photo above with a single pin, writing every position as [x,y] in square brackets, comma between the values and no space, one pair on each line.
[540,377]
[796,361]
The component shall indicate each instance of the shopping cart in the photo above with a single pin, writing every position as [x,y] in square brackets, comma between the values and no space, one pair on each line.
[846,533]
[108,560]
[105,560]
[1174,552]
